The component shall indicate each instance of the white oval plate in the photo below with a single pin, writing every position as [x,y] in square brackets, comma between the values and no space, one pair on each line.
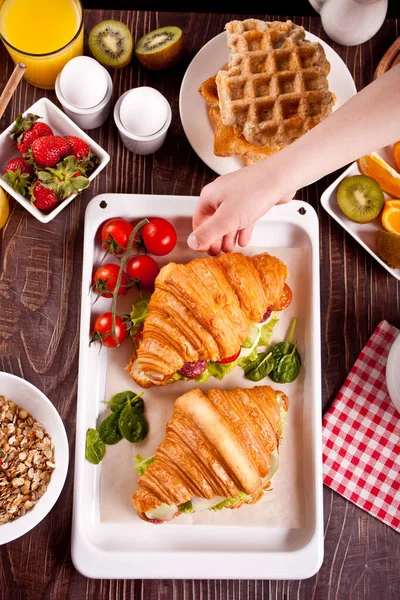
[27,396]
[393,373]
[194,111]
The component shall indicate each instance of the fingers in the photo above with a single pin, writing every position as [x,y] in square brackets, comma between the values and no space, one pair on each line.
[228,242]
[245,236]
[206,207]
[209,231]
[215,248]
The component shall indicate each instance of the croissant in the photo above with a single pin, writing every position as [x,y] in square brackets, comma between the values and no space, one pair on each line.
[203,311]
[220,450]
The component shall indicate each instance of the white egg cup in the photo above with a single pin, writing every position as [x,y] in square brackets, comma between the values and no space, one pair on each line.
[87,118]
[139,144]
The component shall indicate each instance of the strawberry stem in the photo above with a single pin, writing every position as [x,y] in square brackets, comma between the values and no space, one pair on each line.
[124,258]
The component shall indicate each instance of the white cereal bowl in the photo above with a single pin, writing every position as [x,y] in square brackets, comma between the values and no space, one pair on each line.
[393,373]
[61,125]
[27,396]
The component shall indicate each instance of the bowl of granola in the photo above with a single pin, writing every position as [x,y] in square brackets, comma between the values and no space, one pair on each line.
[33,456]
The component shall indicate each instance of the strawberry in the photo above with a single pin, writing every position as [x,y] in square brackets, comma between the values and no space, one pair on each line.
[18,174]
[80,149]
[77,147]
[43,198]
[28,130]
[49,150]
[65,179]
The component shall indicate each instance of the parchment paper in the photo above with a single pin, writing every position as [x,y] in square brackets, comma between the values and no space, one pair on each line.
[281,507]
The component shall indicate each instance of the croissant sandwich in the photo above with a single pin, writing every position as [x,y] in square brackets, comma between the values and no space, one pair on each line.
[220,451]
[202,312]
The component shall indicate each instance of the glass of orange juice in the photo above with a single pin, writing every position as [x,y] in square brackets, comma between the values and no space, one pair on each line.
[44,34]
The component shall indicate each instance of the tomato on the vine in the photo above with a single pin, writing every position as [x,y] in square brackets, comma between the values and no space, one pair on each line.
[229,359]
[159,236]
[102,330]
[143,268]
[105,280]
[284,299]
[115,234]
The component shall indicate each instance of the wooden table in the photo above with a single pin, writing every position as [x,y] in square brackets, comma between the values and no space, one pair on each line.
[39,322]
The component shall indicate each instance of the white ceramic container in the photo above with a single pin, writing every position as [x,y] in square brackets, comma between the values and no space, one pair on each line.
[27,396]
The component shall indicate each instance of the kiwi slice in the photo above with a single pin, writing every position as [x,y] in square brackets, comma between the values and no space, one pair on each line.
[160,48]
[388,248]
[111,43]
[360,198]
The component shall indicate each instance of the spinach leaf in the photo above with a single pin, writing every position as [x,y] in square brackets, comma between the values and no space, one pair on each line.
[109,430]
[287,368]
[257,369]
[95,449]
[133,424]
[119,400]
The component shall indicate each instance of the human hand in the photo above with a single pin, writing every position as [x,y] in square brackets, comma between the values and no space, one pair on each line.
[229,207]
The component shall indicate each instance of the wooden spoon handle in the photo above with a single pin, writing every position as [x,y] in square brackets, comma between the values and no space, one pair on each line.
[11,86]
[389,59]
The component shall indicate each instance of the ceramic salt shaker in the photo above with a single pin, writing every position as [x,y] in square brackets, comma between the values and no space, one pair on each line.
[143,116]
[84,89]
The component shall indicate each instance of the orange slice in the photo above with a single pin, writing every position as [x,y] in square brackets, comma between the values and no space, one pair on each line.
[387,177]
[391,216]
[396,154]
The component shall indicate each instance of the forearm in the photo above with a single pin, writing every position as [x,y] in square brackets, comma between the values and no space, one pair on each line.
[368,121]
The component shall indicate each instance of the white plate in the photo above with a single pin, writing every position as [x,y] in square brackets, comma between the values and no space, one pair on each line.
[196,122]
[61,125]
[109,540]
[27,396]
[393,373]
[365,234]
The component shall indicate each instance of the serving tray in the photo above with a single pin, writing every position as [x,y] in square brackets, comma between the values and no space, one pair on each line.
[281,537]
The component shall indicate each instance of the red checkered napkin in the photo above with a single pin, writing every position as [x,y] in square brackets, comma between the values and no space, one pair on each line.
[361,434]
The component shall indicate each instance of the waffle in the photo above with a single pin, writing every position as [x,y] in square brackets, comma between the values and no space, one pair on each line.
[275,87]
[228,141]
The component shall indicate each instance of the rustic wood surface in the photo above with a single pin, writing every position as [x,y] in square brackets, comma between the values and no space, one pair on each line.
[39,299]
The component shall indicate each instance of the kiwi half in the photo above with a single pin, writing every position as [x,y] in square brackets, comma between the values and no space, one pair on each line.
[111,43]
[360,198]
[388,248]
[160,48]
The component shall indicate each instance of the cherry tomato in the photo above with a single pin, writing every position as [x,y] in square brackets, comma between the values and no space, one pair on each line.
[229,359]
[102,330]
[115,235]
[284,299]
[145,269]
[159,236]
[105,280]
[138,336]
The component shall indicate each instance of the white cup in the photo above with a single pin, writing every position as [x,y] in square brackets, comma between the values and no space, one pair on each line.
[139,144]
[88,118]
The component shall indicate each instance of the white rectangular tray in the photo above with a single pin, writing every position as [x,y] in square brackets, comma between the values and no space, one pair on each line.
[365,234]
[109,540]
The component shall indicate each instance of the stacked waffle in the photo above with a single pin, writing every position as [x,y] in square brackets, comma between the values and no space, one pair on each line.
[273,90]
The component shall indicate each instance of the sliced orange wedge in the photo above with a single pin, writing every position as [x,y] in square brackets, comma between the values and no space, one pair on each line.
[377,168]
[391,216]
[396,154]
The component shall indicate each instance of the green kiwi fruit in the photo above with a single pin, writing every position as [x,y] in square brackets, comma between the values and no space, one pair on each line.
[360,198]
[388,248]
[111,43]
[160,48]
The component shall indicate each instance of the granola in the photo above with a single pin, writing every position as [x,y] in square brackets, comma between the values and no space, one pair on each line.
[26,461]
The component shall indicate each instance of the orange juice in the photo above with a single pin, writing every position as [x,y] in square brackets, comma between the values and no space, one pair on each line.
[44,34]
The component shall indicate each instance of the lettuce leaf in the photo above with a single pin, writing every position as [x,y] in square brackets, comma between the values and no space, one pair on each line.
[267,330]
[186,508]
[229,501]
[141,463]
[139,313]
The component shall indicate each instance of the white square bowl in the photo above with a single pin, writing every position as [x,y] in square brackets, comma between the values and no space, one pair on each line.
[61,125]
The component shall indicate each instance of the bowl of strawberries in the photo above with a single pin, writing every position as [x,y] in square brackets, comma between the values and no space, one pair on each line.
[47,160]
